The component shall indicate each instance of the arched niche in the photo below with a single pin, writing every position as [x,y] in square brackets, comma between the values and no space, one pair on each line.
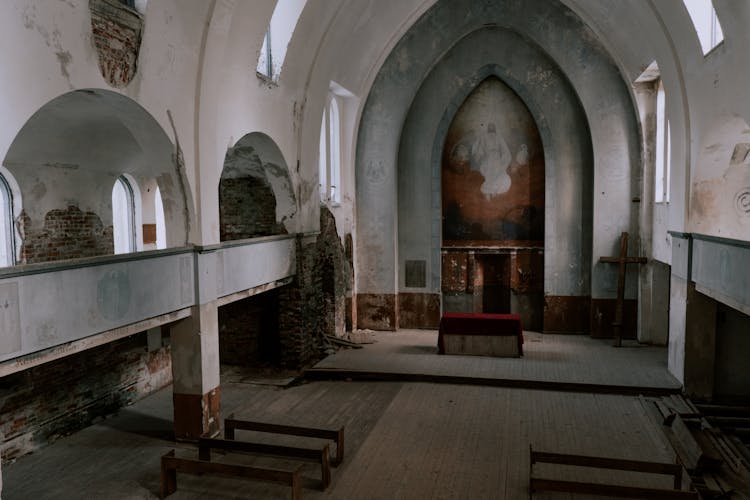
[255,191]
[66,159]
[720,180]
[566,153]
[523,41]
[492,197]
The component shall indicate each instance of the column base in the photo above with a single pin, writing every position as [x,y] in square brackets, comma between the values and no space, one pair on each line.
[196,416]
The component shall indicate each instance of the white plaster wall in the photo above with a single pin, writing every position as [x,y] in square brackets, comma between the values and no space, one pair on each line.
[676,347]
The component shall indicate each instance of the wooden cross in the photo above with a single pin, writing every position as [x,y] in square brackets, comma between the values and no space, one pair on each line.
[622,260]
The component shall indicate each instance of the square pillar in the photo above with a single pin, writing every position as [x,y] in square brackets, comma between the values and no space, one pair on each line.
[195,368]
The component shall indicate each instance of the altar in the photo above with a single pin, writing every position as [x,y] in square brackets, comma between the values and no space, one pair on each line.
[480,334]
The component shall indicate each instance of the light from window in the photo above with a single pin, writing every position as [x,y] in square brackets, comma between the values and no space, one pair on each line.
[161,230]
[705,22]
[663,149]
[123,216]
[279,33]
[334,139]
[6,224]
[329,162]
[323,157]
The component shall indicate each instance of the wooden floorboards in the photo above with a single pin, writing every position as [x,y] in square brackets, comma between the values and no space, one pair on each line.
[548,359]
[404,440]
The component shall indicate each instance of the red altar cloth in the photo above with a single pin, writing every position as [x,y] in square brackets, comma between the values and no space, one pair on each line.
[480,324]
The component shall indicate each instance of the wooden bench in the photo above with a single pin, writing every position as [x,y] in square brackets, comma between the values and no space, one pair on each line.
[171,465]
[336,435]
[544,484]
[316,455]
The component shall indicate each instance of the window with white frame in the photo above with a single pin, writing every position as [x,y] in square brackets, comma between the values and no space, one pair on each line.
[323,157]
[161,230]
[123,216]
[330,152]
[279,33]
[7,247]
[663,148]
[705,22]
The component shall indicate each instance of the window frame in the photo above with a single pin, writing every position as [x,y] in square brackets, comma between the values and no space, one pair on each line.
[329,153]
[663,147]
[7,224]
[130,213]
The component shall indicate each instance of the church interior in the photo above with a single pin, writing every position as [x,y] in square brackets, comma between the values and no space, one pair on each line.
[217,212]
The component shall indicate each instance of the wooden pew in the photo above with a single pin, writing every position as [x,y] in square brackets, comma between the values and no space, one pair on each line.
[544,484]
[171,465]
[317,455]
[336,435]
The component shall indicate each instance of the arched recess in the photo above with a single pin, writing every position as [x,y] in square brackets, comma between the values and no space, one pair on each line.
[563,128]
[469,37]
[255,199]
[66,159]
[255,190]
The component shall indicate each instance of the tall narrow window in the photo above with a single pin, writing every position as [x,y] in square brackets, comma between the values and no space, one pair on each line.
[265,59]
[334,140]
[161,230]
[123,216]
[6,224]
[663,149]
[323,158]
[279,33]
[330,153]
[705,22]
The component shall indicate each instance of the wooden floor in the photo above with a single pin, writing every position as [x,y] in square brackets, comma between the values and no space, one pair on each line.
[571,359]
[403,440]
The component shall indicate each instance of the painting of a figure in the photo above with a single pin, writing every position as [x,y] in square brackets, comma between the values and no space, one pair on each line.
[493,172]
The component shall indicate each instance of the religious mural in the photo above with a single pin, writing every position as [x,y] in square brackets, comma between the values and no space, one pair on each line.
[493,172]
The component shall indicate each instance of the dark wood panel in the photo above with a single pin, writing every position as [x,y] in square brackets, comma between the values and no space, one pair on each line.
[567,314]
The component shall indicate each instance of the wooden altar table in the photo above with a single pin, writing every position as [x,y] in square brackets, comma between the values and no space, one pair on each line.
[481,334]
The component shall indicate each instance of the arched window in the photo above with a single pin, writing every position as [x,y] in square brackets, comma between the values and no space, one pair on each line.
[161,230]
[279,33]
[323,159]
[123,216]
[334,141]
[705,22]
[330,153]
[7,247]
[663,148]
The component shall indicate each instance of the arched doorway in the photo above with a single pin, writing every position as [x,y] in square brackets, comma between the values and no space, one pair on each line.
[493,192]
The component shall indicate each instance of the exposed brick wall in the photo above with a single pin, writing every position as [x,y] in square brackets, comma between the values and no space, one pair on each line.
[247,208]
[249,330]
[67,234]
[116,33]
[332,263]
[300,331]
[313,305]
[43,403]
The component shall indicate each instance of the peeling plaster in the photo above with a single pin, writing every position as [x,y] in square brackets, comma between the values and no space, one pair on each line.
[53,40]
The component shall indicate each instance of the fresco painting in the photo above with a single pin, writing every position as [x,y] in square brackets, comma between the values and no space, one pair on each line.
[493,172]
